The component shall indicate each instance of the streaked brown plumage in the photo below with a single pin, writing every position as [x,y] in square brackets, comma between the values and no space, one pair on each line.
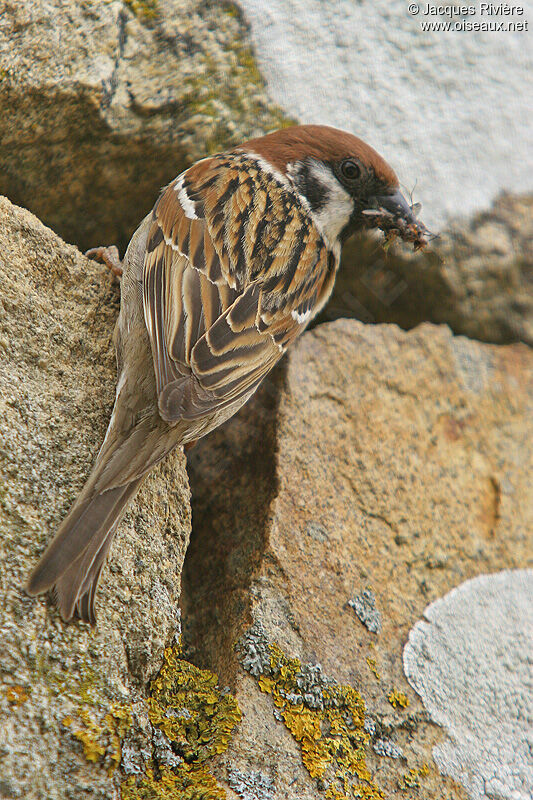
[238,255]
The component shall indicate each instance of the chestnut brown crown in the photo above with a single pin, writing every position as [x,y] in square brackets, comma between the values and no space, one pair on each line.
[322,143]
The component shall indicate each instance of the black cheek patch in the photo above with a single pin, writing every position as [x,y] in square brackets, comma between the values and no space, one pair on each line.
[314,192]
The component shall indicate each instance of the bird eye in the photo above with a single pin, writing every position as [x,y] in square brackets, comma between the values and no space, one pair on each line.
[350,169]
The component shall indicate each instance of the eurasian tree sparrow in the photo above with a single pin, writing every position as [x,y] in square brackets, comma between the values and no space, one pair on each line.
[238,255]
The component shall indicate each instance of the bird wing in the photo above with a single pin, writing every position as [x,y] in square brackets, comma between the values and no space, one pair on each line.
[234,270]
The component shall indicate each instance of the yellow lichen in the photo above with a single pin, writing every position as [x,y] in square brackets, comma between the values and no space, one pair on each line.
[101,741]
[373,667]
[183,783]
[89,733]
[397,698]
[186,704]
[411,779]
[143,8]
[15,695]
[329,730]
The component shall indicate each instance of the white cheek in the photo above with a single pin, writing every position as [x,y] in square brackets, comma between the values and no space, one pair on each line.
[336,212]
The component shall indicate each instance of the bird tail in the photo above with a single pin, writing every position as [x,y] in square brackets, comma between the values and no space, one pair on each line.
[72,563]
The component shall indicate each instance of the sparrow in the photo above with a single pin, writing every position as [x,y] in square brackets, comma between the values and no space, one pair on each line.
[236,258]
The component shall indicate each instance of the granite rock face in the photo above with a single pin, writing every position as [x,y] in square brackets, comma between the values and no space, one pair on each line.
[373,473]
[374,464]
[67,692]
[102,103]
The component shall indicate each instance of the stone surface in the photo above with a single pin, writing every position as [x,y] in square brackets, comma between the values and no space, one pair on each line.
[449,109]
[57,385]
[470,659]
[373,459]
[477,277]
[371,464]
[102,103]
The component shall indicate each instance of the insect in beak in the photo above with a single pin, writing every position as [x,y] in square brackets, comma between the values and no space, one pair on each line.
[392,214]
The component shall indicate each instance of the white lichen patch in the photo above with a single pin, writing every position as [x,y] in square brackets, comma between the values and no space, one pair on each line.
[470,660]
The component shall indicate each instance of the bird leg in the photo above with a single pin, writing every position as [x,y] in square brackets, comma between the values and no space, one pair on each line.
[108,256]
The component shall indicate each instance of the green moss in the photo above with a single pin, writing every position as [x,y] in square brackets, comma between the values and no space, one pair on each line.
[143,8]
[234,82]
[197,719]
[326,719]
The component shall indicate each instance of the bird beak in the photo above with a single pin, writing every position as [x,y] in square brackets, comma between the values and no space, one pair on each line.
[395,217]
[397,205]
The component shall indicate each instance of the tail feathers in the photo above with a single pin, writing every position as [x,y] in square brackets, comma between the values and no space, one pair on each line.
[73,561]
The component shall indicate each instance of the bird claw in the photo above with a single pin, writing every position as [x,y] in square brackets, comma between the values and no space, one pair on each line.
[108,256]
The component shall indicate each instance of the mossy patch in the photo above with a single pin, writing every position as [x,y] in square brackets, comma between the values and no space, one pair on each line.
[232,81]
[326,719]
[143,8]
[195,720]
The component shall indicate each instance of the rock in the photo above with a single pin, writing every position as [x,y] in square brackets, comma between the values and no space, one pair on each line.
[477,277]
[372,459]
[447,109]
[101,104]
[68,693]
[364,606]
[470,661]
[374,466]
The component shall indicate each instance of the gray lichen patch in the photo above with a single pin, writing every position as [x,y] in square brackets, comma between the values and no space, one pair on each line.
[470,661]
[325,718]
[364,605]
[311,686]
[386,747]
[253,785]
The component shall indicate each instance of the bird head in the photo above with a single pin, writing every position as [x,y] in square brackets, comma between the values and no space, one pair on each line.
[345,183]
